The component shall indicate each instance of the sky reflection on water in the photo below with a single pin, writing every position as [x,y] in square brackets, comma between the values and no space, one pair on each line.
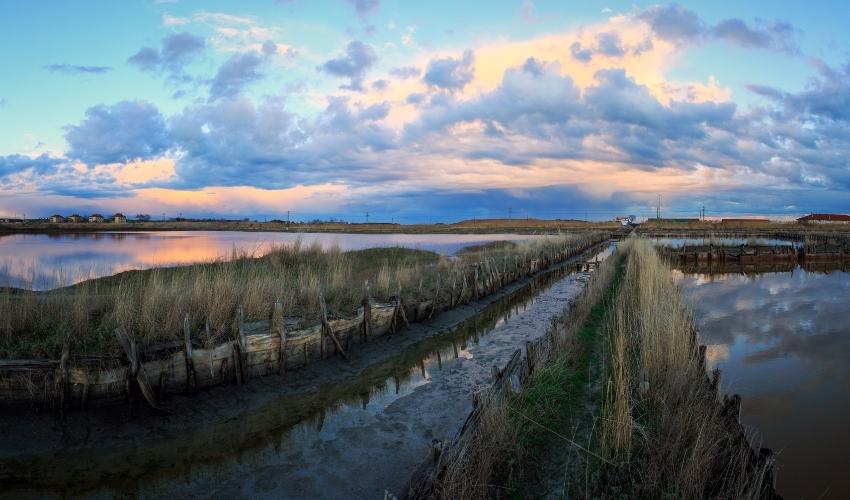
[782,341]
[43,261]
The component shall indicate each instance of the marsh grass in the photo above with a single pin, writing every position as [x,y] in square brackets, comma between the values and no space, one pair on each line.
[152,303]
[663,424]
[509,447]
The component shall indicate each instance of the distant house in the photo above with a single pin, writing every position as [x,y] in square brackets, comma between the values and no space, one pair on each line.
[825,219]
[56,219]
[75,218]
[119,218]
[95,218]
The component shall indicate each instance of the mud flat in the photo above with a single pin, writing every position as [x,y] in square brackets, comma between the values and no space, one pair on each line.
[331,429]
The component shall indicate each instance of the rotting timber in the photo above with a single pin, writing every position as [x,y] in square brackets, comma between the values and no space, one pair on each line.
[259,348]
[750,254]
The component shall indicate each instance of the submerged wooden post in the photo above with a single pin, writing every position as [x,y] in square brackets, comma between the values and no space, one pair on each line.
[191,380]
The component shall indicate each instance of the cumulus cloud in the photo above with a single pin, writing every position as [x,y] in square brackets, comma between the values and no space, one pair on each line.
[122,132]
[76,69]
[677,24]
[176,51]
[359,57]
[239,71]
[42,165]
[776,36]
[449,73]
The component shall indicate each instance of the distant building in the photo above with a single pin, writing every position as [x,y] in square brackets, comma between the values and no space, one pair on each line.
[95,218]
[75,218]
[119,218]
[625,220]
[825,219]
[56,218]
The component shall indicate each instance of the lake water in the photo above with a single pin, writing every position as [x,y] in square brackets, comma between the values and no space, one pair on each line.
[42,261]
[782,341]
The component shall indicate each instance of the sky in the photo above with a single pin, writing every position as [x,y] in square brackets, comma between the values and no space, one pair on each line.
[423,111]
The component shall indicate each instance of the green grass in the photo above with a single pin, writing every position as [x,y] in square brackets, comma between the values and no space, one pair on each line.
[556,396]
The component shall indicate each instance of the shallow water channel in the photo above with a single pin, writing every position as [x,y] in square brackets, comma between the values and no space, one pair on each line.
[355,437]
[782,341]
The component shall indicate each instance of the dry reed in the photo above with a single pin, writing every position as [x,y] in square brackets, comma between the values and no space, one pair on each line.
[152,304]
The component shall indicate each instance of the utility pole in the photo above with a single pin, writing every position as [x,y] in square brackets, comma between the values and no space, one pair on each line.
[510,212]
[658,208]
[287,218]
[367,217]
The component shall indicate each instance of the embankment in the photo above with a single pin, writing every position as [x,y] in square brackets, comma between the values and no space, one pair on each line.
[258,348]
[654,424]
[128,452]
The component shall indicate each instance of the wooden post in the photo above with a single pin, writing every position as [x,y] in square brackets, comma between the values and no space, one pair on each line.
[61,377]
[366,302]
[278,327]
[243,346]
[328,331]
[436,297]
[137,370]
[191,380]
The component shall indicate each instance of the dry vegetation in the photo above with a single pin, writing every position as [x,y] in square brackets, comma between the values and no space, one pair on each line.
[507,449]
[623,407]
[152,304]
[662,424]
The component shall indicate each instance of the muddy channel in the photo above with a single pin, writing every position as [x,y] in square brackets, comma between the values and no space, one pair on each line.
[334,430]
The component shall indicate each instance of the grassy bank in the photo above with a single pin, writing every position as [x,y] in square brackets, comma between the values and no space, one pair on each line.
[512,444]
[623,408]
[663,431]
[151,304]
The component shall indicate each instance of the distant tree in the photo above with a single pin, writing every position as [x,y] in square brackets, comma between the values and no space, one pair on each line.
[143,217]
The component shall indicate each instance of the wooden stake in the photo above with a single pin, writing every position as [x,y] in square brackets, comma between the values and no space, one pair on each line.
[278,327]
[191,378]
[327,330]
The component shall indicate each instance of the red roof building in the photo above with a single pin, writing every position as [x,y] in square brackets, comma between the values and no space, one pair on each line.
[825,219]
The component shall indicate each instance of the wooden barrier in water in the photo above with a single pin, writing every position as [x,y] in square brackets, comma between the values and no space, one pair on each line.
[259,348]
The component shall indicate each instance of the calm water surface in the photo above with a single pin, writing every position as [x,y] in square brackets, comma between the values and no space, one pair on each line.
[782,341]
[42,261]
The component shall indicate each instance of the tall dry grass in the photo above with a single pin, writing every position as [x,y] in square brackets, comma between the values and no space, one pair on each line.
[662,421]
[494,455]
[152,304]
